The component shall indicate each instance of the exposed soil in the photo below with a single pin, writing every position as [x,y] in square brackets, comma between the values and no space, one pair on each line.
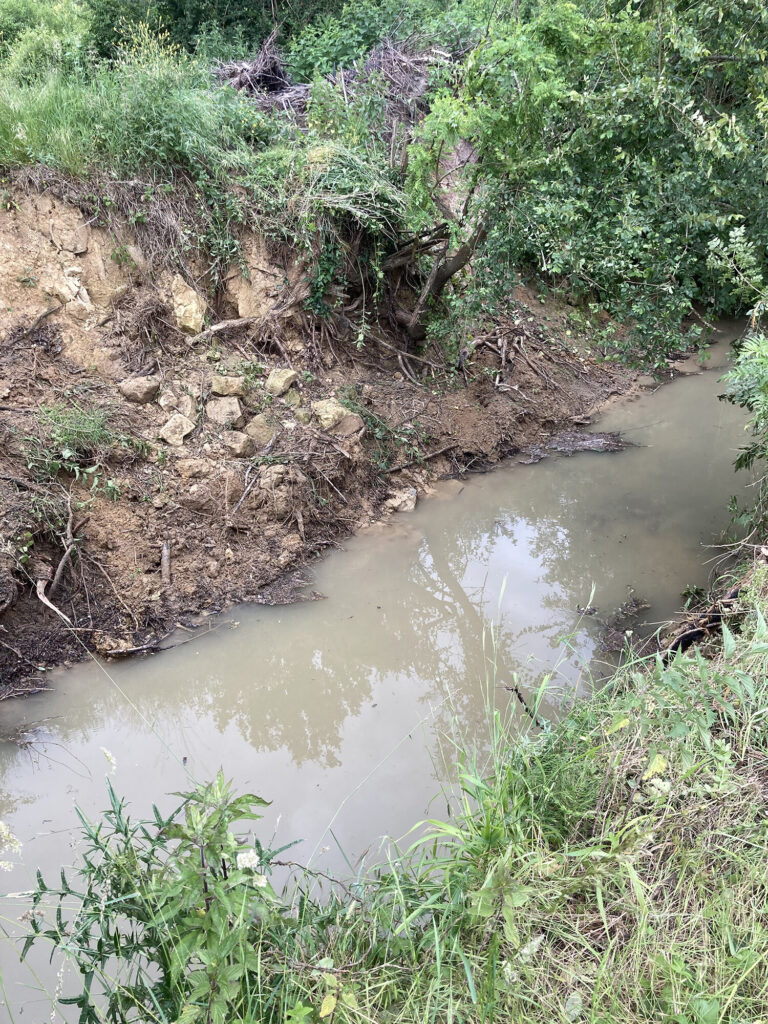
[134,535]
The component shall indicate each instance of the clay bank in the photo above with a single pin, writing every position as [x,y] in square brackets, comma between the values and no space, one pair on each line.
[170,448]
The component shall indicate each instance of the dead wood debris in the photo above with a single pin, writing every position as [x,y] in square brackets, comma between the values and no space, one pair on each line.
[400,72]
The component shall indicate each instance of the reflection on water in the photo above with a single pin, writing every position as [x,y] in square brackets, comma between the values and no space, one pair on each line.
[341,711]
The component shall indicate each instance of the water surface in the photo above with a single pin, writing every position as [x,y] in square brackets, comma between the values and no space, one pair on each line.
[342,711]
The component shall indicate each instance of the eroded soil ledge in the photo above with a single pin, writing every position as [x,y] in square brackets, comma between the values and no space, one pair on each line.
[154,469]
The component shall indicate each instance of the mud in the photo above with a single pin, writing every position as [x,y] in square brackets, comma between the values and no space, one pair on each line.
[137,536]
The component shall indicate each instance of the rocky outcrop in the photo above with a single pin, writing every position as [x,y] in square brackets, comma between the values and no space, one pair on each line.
[329,412]
[225,412]
[261,430]
[228,386]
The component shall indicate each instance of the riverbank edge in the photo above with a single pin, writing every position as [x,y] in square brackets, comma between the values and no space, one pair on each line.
[118,530]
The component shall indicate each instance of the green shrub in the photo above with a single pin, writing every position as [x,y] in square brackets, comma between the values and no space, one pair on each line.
[40,52]
[60,17]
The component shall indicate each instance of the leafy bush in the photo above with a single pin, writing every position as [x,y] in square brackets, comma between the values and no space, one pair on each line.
[39,52]
[60,17]
[339,38]
[610,149]
[190,21]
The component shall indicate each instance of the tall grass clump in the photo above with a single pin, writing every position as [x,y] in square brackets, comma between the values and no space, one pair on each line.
[153,112]
[610,868]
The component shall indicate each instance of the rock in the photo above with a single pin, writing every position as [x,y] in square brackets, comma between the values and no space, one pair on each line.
[227,386]
[303,416]
[646,380]
[168,401]
[280,380]
[140,389]
[187,406]
[241,445]
[292,398]
[329,412]
[402,501]
[188,306]
[351,424]
[176,429]
[225,412]
[272,476]
[193,469]
[261,430]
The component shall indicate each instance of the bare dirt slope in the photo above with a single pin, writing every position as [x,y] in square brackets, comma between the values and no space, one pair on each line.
[156,466]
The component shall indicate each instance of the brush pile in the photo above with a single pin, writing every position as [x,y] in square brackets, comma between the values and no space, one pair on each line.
[399,73]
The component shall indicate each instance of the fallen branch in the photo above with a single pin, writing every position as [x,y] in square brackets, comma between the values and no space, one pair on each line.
[224,325]
[70,545]
[36,323]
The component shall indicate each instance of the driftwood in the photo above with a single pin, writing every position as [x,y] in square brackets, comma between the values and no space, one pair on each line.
[224,325]
[40,591]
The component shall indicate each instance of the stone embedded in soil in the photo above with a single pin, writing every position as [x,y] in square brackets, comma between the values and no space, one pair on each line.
[176,429]
[351,424]
[403,500]
[279,381]
[187,406]
[329,412]
[168,401]
[225,412]
[303,416]
[261,430]
[292,398]
[188,306]
[241,445]
[140,389]
[192,469]
[272,476]
[227,386]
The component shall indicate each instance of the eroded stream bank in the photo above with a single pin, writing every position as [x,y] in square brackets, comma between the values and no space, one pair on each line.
[341,711]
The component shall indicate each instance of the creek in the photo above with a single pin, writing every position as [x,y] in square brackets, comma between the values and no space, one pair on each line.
[344,712]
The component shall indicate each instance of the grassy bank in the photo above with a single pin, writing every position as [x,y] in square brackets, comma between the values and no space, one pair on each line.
[613,152]
[611,868]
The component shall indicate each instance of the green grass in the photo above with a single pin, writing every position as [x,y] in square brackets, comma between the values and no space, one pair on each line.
[611,868]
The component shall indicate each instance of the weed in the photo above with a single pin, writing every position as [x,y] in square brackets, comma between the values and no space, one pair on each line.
[77,441]
[28,279]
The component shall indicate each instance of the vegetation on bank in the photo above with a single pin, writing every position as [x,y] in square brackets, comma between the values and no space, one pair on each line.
[601,149]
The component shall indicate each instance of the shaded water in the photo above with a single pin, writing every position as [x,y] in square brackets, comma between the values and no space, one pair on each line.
[341,711]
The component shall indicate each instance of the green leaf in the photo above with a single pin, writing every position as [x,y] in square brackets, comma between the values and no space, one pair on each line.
[328,1005]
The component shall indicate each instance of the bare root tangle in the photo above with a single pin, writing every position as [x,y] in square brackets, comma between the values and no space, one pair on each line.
[140,323]
[265,73]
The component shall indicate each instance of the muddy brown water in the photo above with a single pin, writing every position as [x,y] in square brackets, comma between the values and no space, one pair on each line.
[344,711]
